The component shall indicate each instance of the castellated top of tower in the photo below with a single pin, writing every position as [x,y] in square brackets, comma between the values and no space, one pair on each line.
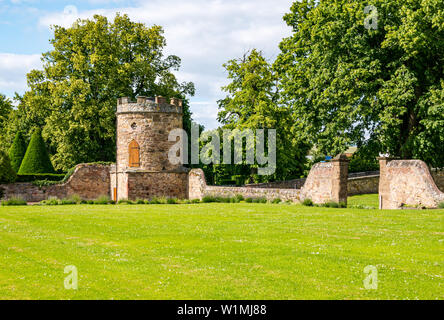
[145,104]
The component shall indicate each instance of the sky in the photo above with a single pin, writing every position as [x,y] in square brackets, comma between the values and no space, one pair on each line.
[203,33]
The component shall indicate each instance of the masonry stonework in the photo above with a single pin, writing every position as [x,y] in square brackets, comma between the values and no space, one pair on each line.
[89,181]
[407,183]
[327,181]
[142,168]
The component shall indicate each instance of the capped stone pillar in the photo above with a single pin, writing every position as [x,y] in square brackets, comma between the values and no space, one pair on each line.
[340,179]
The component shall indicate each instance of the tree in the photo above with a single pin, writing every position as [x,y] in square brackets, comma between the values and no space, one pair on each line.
[17,151]
[91,65]
[7,174]
[36,158]
[380,87]
[252,102]
[5,110]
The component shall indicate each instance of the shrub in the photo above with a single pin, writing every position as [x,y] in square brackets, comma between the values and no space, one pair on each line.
[140,201]
[342,205]
[249,200]
[36,158]
[90,201]
[40,177]
[17,151]
[259,200]
[102,200]
[207,199]
[239,197]
[172,201]
[75,198]
[441,205]
[222,199]
[67,201]
[307,202]
[7,173]
[14,201]
[68,175]
[330,204]
[277,200]
[51,201]
[195,201]
[44,183]
[154,200]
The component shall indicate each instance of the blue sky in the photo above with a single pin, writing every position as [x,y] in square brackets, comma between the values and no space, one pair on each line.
[204,33]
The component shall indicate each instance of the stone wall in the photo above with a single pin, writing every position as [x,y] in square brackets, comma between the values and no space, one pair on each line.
[326,182]
[288,184]
[438,177]
[363,185]
[268,193]
[407,183]
[146,185]
[89,181]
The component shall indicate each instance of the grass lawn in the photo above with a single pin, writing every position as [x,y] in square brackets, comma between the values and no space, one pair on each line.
[220,251]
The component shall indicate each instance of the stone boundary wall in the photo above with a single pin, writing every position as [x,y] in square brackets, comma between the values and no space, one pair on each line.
[407,183]
[327,181]
[89,181]
[363,185]
[288,184]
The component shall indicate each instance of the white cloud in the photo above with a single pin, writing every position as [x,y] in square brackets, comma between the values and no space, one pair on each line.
[13,70]
[205,34]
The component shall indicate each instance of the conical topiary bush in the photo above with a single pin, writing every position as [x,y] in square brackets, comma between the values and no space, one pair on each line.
[36,158]
[7,174]
[17,151]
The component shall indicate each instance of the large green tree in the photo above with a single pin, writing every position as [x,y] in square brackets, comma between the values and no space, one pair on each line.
[252,102]
[367,77]
[5,111]
[93,63]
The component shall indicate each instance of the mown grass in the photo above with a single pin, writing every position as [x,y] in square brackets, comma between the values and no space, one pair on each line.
[368,200]
[220,251]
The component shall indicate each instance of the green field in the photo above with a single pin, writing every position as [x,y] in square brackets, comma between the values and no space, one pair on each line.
[220,251]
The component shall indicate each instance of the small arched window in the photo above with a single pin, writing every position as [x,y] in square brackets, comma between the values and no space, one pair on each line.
[134,154]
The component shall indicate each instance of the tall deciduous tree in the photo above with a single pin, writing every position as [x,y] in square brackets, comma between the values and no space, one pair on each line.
[5,111]
[379,85]
[252,103]
[91,65]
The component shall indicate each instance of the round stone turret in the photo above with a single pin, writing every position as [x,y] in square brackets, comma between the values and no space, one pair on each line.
[142,133]
[142,167]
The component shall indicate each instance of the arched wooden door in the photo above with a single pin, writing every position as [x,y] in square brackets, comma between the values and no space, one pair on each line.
[134,154]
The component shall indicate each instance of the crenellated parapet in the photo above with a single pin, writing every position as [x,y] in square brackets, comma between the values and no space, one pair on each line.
[152,105]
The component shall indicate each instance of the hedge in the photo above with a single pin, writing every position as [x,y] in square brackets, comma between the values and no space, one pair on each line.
[36,159]
[7,173]
[40,176]
[17,151]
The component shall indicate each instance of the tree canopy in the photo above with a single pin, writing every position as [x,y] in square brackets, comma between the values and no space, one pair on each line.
[379,88]
[7,174]
[91,65]
[5,110]
[252,102]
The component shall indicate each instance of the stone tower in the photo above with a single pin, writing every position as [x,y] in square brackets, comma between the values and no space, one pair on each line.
[142,167]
